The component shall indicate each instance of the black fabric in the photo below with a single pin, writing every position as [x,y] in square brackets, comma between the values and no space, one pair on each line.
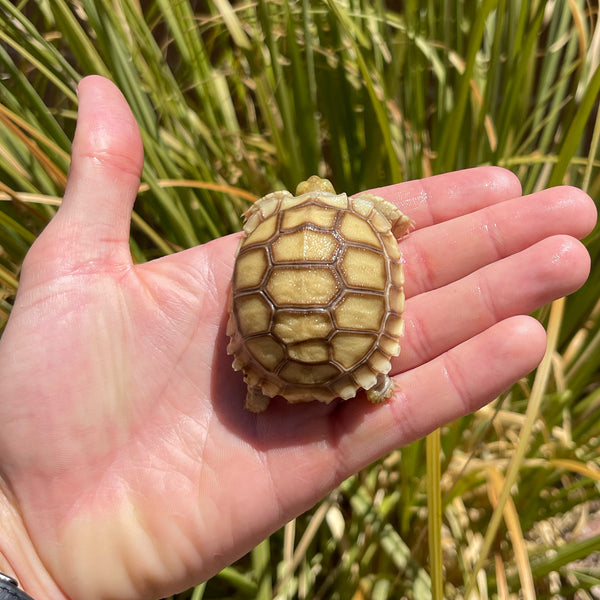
[10,591]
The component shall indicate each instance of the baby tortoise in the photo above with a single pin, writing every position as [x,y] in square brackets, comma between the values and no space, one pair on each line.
[317,296]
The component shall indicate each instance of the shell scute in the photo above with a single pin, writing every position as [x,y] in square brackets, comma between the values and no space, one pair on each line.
[265,207]
[356,229]
[397,303]
[310,351]
[351,348]
[254,314]
[318,215]
[379,362]
[250,269]
[303,374]
[390,246]
[261,232]
[364,376]
[390,345]
[304,245]
[364,268]
[379,222]
[394,325]
[362,206]
[293,327]
[358,312]
[302,286]
[267,351]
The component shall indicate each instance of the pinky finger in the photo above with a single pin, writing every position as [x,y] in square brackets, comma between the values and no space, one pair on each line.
[452,385]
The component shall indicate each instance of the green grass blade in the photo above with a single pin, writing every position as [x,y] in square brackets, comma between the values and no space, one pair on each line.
[434,520]
[448,147]
[572,139]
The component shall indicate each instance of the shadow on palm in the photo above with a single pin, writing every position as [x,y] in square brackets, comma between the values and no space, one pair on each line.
[282,425]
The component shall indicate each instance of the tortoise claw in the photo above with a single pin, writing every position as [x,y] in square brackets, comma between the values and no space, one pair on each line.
[256,401]
[382,390]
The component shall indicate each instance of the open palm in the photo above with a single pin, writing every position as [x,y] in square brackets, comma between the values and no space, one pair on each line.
[128,466]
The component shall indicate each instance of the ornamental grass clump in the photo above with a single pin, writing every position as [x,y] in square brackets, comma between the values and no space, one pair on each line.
[237,99]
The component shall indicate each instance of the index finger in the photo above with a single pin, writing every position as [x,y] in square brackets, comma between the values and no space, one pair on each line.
[443,197]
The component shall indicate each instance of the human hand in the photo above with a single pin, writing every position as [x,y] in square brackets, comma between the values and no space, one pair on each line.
[128,465]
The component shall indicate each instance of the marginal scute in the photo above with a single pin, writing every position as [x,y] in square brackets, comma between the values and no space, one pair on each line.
[397,302]
[271,203]
[379,362]
[397,274]
[394,325]
[270,388]
[390,246]
[340,201]
[364,377]
[262,232]
[317,296]
[362,206]
[381,224]
[346,387]
[390,345]
[317,215]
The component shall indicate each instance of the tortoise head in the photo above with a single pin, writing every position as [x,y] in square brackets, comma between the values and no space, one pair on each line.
[314,184]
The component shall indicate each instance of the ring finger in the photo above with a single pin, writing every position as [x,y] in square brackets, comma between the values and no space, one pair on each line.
[438,320]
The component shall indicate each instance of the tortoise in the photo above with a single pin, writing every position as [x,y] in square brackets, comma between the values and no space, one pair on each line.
[317,296]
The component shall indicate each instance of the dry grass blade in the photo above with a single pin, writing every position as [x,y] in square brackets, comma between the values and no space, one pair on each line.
[535,400]
[511,518]
[304,543]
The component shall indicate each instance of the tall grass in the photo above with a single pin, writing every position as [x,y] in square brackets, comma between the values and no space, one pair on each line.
[236,99]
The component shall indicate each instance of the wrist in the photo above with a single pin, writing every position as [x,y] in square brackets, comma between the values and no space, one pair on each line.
[18,558]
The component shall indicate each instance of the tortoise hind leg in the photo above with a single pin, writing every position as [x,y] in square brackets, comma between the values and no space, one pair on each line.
[256,401]
[382,390]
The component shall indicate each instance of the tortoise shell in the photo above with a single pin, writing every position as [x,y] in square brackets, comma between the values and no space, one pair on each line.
[317,296]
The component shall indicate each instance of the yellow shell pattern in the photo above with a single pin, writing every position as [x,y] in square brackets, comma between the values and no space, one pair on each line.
[317,296]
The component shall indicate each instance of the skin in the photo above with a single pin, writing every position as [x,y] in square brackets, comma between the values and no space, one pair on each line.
[128,466]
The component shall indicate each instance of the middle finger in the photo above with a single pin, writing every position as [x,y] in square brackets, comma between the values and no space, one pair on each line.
[446,252]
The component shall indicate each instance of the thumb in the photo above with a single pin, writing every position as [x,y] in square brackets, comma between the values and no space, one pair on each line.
[92,224]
